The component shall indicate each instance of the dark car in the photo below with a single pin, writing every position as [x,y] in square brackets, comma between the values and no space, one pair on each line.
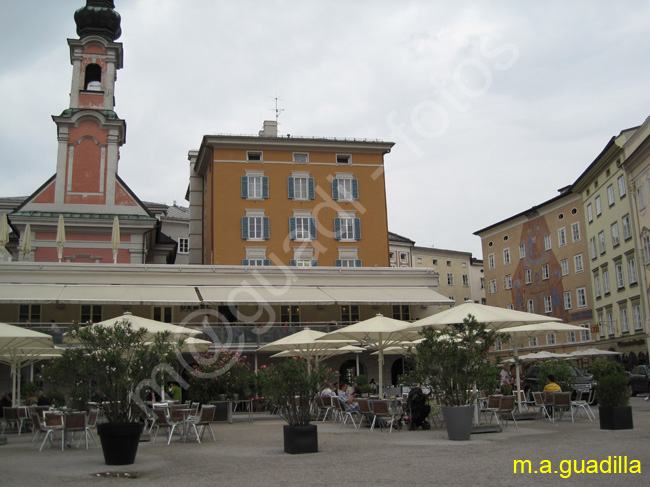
[579,381]
[640,380]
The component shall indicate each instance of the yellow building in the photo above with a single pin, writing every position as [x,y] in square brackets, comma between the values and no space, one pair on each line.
[536,261]
[454,268]
[282,200]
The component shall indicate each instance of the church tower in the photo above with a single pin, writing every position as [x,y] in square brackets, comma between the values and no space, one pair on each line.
[86,188]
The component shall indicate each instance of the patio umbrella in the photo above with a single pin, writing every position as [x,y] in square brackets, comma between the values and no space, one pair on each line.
[304,343]
[531,330]
[493,317]
[379,332]
[593,352]
[320,354]
[18,344]
[115,238]
[539,356]
[27,242]
[4,234]
[60,237]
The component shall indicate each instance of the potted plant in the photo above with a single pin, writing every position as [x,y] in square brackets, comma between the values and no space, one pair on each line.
[116,359]
[292,387]
[450,363]
[612,393]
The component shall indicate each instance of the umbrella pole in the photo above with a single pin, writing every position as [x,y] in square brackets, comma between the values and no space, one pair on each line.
[516,356]
[14,402]
[381,372]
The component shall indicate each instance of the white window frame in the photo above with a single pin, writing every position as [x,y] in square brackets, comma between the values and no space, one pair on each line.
[610,195]
[492,286]
[530,306]
[551,339]
[599,209]
[300,186]
[601,242]
[575,232]
[255,186]
[609,319]
[631,271]
[564,264]
[578,263]
[548,304]
[528,276]
[561,237]
[506,256]
[301,157]
[615,235]
[183,245]
[606,289]
[507,281]
[545,271]
[597,291]
[255,255]
[491,261]
[532,342]
[590,213]
[465,280]
[522,251]
[255,223]
[646,248]
[620,278]
[547,242]
[581,297]
[625,320]
[640,198]
[585,335]
[450,279]
[592,248]
[621,186]
[636,316]
[567,299]
[627,227]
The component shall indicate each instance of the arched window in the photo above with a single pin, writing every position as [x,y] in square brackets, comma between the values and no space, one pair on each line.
[93,81]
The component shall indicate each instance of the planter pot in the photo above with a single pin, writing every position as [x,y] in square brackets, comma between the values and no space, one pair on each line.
[458,420]
[301,439]
[235,397]
[615,417]
[222,397]
[119,442]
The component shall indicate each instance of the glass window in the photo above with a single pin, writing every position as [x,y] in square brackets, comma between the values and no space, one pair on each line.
[450,279]
[545,272]
[567,299]
[528,276]
[606,281]
[615,238]
[551,339]
[290,314]
[585,334]
[301,188]
[254,187]
[601,242]
[590,213]
[506,256]
[640,198]
[491,261]
[621,186]
[300,157]
[183,245]
[350,314]
[599,209]
[597,292]
[493,286]
[610,195]
[620,280]
[564,263]
[465,280]
[581,297]
[578,263]
[548,305]
[636,316]
[561,237]
[530,306]
[507,281]
[627,227]
[631,270]
[522,251]
[625,324]
[575,232]
[592,248]
[547,242]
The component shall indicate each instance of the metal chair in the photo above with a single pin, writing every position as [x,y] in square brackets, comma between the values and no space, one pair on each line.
[73,422]
[381,410]
[492,408]
[507,409]
[161,421]
[581,404]
[204,420]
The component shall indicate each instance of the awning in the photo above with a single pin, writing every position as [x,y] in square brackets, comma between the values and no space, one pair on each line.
[264,294]
[80,294]
[386,295]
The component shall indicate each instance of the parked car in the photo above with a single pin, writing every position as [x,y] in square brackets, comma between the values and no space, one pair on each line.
[579,382]
[640,380]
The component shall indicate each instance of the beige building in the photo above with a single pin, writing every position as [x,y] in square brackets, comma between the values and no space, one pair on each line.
[536,261]
[399,250]
[618,297]
[477,280]
[637,172]
[454,269]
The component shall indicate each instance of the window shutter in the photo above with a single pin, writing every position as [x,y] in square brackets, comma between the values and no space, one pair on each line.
[267,262]
[335,189]
[312,228]
[244,186]
[314,263]
[337,228]
[337,263]
[357,228]
[292,262]
[290,191]
[311,188]
[355,189]
[266,223]
[265,187]
[244,262]
[292,228]
[244,227]
[358,263]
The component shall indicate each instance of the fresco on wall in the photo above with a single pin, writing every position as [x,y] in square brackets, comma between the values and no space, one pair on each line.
[537,256]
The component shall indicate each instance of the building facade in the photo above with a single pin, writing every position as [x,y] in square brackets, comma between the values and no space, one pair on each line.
[536,261]
[400,250]
[288,201]
[454,268]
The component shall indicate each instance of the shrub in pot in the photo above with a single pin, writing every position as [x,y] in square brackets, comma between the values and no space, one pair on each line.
[612,393]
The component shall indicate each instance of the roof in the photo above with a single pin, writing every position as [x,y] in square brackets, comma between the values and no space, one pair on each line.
[393,237]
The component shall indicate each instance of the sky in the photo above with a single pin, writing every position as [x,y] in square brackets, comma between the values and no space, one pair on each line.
[493,105]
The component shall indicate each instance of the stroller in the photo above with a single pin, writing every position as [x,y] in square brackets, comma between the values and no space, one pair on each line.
[417,410]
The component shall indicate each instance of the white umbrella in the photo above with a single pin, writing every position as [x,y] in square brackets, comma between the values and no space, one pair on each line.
[304,343]
[592,352]
[115,238]
[379,332]
[531,330]
[320,354]
[538,356]
[15,344]
[495,318]
[27,242]
[4,234]
[60,237]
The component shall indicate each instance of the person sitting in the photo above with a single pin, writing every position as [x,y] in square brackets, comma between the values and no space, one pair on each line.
[335,389]
[42,399]
[551,385]
[327,392]
[346,400]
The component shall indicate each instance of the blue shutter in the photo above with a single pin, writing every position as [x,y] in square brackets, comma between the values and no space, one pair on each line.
[267,262]
[312,228]
[337,228]
[244,227]
[311,188]
[244,262]
[335,189]
[314,263]
[244,186]
[337,263]
[265,187]
[266,223]
[292,263]
[290,191]
[292,228]
[355,189]
[357,228]
[357,263]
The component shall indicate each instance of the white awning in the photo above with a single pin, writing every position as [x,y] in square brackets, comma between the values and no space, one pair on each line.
[386,295]
[264,294]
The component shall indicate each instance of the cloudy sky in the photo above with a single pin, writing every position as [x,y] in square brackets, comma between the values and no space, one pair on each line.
[493,105]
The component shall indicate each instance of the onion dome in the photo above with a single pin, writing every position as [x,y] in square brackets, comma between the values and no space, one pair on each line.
[98,18]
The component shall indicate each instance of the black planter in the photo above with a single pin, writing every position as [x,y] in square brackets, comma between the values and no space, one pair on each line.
[458,421]
[119,442]
[301,439]
[615,417]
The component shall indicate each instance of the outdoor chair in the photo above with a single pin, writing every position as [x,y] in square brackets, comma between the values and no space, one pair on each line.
[522,398]
[204,420]
[562,404]
[345,414]
[366,412]
[381,410]
[12,418]
[323,405]
[548,404]
[507,406]
[74,422]
[538,402]
[581,404]
[91,422]
[40,428]
[161,421]
[334,407]
[492,408]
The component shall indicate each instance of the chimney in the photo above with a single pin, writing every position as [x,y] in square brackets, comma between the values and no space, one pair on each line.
[270,129]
